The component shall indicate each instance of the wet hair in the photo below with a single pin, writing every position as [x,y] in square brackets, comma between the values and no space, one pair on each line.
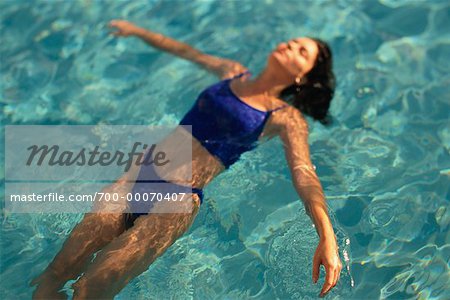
[316,89]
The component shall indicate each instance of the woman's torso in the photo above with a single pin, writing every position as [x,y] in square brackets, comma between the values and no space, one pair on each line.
[223,127]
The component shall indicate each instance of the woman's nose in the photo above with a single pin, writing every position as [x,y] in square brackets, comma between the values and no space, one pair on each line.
[281,46]
[291,44]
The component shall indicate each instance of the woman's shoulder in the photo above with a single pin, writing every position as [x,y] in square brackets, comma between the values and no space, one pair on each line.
[232,69]
[217,86]
[287,116]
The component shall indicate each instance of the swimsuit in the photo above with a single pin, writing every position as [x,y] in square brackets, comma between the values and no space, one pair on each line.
[224,124]
[148,181]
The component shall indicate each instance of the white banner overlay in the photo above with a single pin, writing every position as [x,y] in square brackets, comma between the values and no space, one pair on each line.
[78,169]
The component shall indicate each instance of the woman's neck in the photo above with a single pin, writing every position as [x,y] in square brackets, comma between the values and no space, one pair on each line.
[267,83]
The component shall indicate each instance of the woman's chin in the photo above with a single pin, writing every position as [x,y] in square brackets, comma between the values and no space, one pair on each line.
[276,59]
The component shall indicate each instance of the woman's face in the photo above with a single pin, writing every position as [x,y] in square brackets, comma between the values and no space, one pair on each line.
[296,57]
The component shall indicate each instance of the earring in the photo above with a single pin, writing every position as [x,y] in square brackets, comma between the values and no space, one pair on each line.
[298,81]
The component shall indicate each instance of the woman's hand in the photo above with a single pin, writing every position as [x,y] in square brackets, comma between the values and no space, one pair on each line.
[327,255]
[124,28]
[230,68]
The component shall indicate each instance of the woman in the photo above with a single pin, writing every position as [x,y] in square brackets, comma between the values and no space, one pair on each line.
[227,120]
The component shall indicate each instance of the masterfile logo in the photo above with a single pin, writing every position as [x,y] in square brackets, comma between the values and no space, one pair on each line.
[72,168]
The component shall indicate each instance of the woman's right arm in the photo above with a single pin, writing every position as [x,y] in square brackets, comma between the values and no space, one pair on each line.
[294,136]
[223,68]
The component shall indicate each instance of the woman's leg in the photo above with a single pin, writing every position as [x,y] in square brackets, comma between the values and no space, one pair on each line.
[132,253]
[94,232]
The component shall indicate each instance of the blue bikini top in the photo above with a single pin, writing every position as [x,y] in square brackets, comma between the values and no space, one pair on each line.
[224,124]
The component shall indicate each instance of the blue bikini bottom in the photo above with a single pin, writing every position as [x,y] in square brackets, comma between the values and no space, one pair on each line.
[154,184]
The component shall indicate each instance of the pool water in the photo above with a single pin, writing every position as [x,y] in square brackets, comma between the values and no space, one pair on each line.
[384,162]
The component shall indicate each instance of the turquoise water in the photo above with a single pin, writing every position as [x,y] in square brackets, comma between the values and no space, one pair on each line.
[384,163]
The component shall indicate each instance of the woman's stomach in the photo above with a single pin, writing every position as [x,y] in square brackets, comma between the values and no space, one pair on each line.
[187,162]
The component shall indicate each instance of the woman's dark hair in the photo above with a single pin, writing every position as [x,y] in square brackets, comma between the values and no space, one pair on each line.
[316,89]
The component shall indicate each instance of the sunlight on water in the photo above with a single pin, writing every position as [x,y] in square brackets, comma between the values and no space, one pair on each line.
[384,163]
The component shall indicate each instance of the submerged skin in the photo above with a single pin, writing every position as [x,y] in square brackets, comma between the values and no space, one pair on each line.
[127,253]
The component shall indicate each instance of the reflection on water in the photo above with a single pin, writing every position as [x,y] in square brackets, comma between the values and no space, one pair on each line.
[383,163]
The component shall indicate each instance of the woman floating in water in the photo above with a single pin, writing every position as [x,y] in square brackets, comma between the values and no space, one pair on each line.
[227,119]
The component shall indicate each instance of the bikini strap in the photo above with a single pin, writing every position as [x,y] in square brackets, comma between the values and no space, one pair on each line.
[241,74]
[278,108]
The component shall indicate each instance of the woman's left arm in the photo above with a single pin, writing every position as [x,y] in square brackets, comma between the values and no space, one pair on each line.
[294,135]
[222,67]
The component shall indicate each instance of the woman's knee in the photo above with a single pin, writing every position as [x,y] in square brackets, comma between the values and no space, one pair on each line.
[85,289]
[80,289]
[94,287]
[109,274]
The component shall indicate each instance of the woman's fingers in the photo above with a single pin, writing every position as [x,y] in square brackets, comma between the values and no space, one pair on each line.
[338,275]
[329,279]
[123,28]
[118,23]
[113,25]
[335,279]
[338,269]
[332,278]
[316,268]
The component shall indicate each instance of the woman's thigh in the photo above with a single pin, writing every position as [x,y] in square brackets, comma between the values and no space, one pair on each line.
[132,252]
